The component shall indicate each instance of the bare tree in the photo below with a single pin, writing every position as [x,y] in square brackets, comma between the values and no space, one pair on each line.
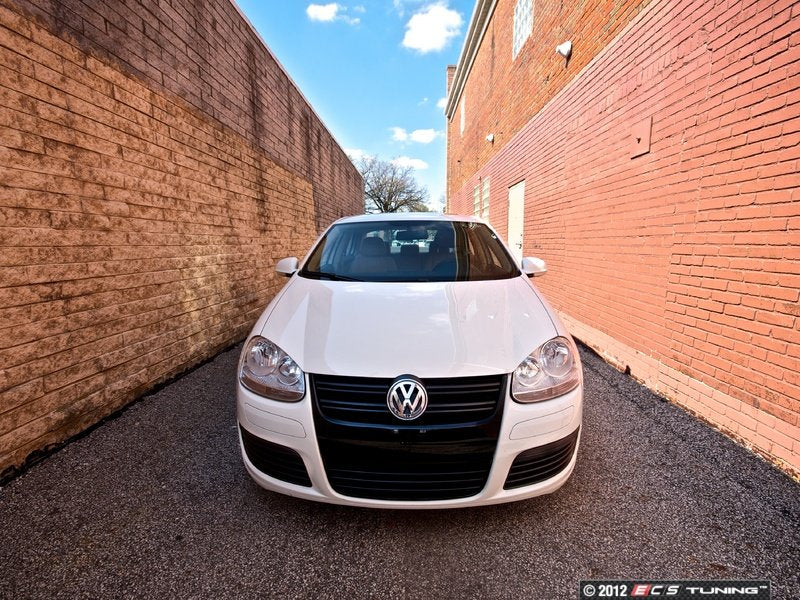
[389,187]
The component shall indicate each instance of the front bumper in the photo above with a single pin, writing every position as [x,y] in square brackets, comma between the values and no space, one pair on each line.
[523,426]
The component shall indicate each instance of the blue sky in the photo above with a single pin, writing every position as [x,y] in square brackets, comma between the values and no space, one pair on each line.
[374,71]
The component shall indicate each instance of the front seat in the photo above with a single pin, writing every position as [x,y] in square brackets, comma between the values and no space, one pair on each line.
[409,259]
[373,257]
[441,249]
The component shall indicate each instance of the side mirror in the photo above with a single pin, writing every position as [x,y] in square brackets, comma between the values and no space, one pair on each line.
[533,267]
[287,266]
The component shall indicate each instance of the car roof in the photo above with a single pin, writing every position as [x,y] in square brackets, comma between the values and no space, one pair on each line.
[408,216]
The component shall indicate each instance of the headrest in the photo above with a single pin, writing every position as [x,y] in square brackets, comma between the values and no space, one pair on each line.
[415,233]
[373,246]
[445,238]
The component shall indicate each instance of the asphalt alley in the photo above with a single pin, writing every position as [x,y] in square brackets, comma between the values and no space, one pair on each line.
[156,504]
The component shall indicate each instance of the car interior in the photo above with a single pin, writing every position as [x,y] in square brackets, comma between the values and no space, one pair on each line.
[410,251]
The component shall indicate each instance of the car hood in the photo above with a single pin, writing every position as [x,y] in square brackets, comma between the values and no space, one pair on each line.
[447,329]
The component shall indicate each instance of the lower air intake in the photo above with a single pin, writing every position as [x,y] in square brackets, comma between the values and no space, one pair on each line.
[541,463]
[275,460]
[436,472]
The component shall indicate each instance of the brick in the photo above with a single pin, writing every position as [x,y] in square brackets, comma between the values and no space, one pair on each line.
[685,254]
[139,226]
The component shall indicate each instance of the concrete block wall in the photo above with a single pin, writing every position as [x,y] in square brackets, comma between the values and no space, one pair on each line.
[681,264]
[156,163]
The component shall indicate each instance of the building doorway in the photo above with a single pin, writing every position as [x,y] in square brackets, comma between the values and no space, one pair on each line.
[516,218]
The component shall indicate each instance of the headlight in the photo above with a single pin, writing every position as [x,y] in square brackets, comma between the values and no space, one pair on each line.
[269,371]
[549,371]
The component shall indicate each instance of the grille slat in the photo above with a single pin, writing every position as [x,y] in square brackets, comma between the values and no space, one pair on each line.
[541,463]
[462,390]
[398,474]
[406,486]
[389,493]
[350,390]
[427,482]
[462,407]
[393,478]
[452,401]
[353,406]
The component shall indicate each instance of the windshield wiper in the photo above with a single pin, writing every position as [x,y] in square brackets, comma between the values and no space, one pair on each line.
[331,276]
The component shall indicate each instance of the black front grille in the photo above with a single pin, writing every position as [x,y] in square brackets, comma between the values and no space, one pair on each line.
[541,463]
[450,401]
[408,471]
[445,454]
[275,460]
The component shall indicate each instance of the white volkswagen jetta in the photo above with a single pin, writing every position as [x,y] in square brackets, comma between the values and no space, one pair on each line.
[409,362]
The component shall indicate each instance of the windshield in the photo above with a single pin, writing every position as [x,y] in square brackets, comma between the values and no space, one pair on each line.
[410,251]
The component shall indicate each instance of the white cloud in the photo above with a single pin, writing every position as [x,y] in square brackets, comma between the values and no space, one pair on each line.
[430,29]
[442,103]
[414,163]
[359,9]
[356,153]
[420,136]
[331,12]
[424,136]
[322,12]
[399,134]
[423,102]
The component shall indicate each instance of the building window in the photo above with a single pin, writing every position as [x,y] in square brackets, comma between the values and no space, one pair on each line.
[480,199]
[462,114]
[523,24]
[485,195]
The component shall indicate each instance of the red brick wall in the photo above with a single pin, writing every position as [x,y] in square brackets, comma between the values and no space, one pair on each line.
[502,95]
[682,263]
[156,162]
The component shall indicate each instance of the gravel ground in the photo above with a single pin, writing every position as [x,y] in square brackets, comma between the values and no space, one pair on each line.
[157,504]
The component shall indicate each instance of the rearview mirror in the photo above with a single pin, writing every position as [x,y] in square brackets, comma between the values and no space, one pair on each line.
[533,267]
[287,266]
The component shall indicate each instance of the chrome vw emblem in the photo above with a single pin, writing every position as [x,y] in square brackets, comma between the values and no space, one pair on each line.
[407,399]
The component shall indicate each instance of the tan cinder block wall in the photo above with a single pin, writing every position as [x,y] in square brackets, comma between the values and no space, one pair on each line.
[682,264]
[154,165]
